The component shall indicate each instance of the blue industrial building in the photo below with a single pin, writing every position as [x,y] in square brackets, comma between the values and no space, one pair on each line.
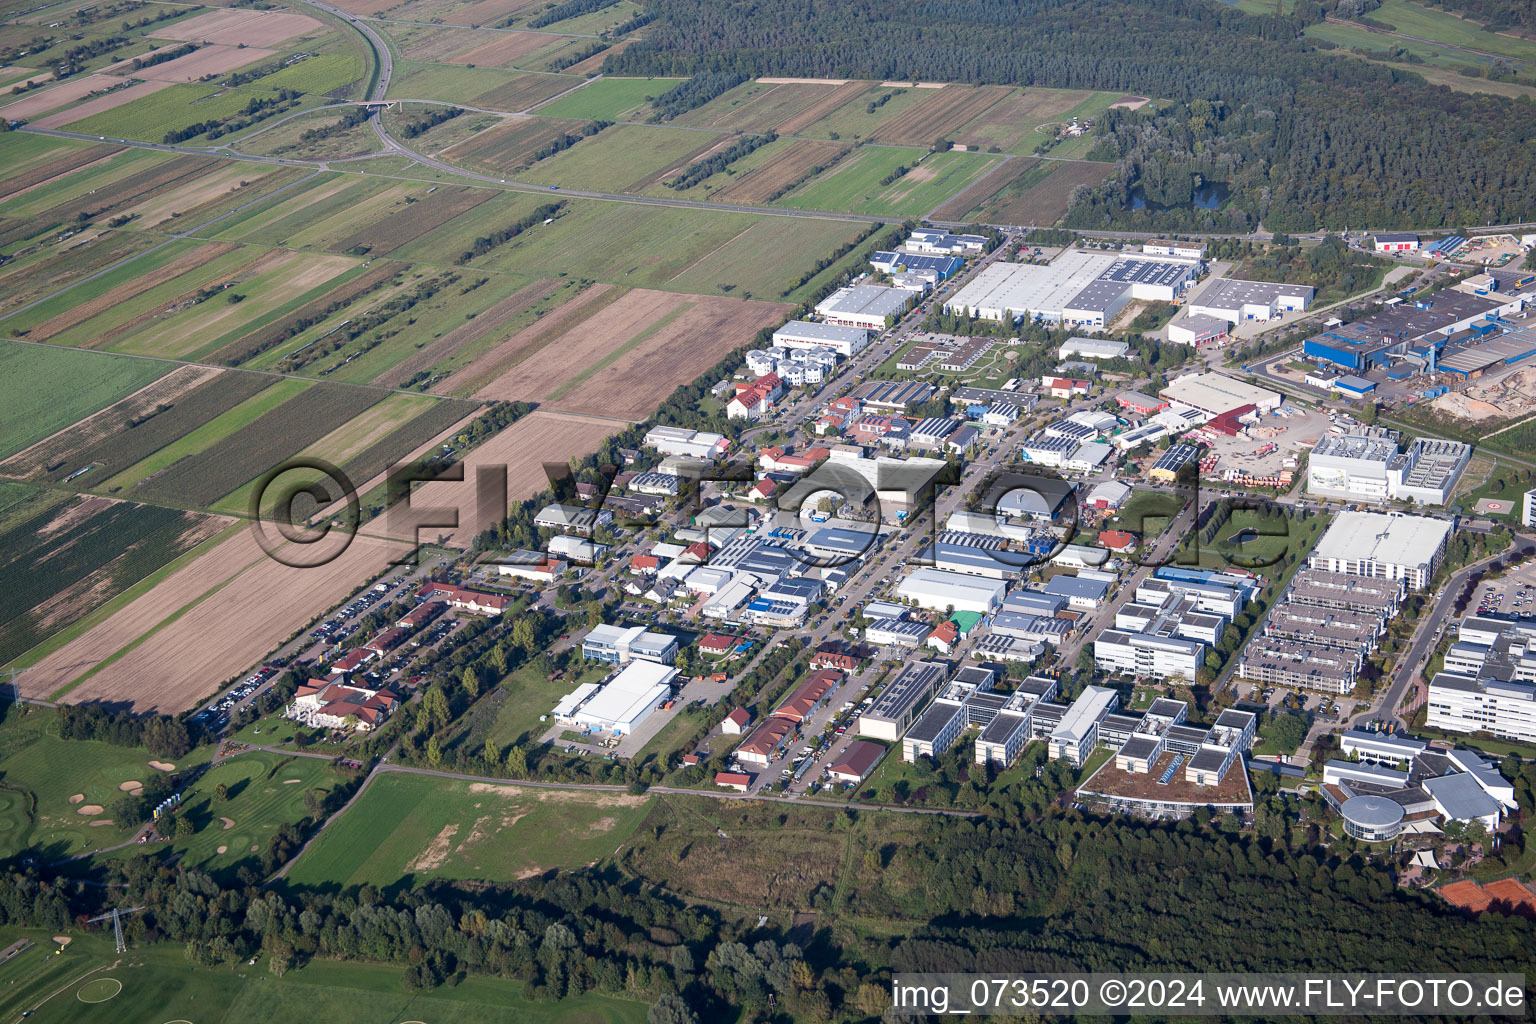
[1379,339]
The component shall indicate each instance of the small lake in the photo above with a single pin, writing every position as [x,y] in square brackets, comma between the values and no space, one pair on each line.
[1208,196]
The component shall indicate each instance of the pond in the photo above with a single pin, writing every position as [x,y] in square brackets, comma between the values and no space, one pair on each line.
[1209,196]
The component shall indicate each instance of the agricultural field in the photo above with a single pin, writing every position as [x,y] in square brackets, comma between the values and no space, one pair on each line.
[627,158]
[523,448]
[610,99]
[641,246]
[938,113]
[151,118]
[327,138]
[782,107]
[769,171]
[1036,195]
[1442,26]
[407,829]
[450,83]
[858,183]
[512,147]
[524,92]
[47,389]
[160,983]
[199,481]
[56,813]
[1011,124]
[158,652]
[624,358]
[65,556]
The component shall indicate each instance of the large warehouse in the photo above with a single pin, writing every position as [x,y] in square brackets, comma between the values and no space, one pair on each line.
[1235,301]
[1213,394]
[1382,546]
[865,305]
[1378,339]
[803,334]
[623,702]
[1083,289]
[939,590]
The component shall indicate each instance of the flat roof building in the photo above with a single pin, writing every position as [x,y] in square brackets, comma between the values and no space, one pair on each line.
[1214,394]
[1235,301]
[902,700]
[1372,544]
[803,334]
[938,589]
[627,699]
[865,305]
[1078,731]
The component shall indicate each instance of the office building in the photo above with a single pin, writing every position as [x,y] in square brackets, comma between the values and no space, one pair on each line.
[1376,545]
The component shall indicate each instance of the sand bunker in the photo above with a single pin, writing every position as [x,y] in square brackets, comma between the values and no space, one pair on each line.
[90,809]
[131,786]
[292,782]
[63,940]
[78,798]
[222,849]
[164,766]
[229,823]
[101,821]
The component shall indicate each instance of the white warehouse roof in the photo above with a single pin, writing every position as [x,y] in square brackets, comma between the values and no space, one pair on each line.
[629,698]
[938,589]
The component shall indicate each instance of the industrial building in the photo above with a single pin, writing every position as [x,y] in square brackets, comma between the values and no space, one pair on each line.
[1192,250]
[1395,242]
[803,334]
[1085,289]
[1406,331]
[698,444]
[1198,330]
[1374,544]
[1092,348]
[902,700]
[869,306]
[1234,301]
[1365,464]
[1166,469]
[939,589]
[1213,394]
[943,267]
[620,704]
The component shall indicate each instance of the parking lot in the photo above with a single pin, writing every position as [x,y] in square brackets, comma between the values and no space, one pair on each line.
[1513,594]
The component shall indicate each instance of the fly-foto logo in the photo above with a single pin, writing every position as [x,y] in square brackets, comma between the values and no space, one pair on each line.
[305,513]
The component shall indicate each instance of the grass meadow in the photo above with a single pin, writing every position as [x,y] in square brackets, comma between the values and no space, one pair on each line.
[406,829]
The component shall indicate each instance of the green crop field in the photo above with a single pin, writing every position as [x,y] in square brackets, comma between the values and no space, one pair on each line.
[200,480]
[158,984]
[89,554]
[179,106]
[411,828]
[642,246]
[1443,26]
[200,436]
[43,390]
[622,159]
[450,83]
[855,185]
[609,99]
[35,807]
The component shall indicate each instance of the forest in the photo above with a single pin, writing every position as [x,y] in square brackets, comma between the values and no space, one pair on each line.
[1301,139]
